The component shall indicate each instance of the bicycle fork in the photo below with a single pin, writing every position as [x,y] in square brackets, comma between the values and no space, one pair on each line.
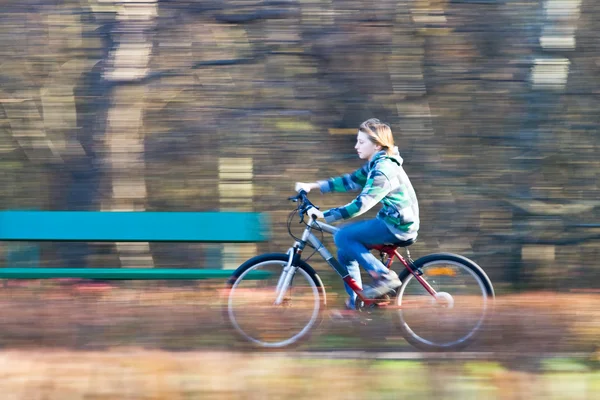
[294,253]
[286,276]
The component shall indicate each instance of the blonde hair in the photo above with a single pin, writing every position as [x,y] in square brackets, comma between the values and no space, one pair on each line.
[379,133]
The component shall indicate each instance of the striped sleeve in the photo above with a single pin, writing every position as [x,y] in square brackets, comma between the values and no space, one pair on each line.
[345,183]
[376,188]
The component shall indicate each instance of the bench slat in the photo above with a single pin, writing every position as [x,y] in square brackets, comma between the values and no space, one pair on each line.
[135,226]
[122,273]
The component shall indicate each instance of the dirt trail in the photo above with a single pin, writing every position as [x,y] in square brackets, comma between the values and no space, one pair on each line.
[188,318]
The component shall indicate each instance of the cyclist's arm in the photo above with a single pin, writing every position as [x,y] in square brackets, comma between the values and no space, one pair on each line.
[375,189]
[345,183]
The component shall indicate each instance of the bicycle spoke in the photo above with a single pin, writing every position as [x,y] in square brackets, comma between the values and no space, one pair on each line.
[453,315]
[254,314]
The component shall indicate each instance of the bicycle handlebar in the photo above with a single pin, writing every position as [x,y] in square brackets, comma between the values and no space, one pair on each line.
[303,203]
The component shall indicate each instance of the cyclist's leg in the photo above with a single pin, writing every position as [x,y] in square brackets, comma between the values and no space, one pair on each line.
[354,271]
[352,241]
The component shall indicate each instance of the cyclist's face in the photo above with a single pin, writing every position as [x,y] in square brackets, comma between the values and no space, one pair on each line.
[364,147]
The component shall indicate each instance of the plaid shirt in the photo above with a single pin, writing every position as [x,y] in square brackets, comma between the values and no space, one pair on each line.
[382,179]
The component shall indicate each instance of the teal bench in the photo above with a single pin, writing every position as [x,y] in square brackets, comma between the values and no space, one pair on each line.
[116,226]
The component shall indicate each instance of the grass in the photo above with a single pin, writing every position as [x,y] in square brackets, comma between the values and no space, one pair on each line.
[142,374]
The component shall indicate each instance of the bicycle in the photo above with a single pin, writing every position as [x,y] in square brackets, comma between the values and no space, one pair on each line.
[282,312]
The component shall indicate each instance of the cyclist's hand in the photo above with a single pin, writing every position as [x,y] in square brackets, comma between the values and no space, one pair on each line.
[314,213]
[307,187]
[304,186]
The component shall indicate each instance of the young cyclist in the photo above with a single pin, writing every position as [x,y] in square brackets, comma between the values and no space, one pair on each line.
[381,180]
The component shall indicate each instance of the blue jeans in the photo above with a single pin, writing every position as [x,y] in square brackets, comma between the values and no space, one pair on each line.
[352,241]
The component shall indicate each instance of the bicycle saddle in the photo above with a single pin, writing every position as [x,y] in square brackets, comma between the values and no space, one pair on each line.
[400,243]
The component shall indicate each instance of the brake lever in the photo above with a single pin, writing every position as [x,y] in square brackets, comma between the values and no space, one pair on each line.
[304,206]
[296,197]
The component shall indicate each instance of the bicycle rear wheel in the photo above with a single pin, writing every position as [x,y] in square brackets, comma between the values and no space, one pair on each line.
[250,304]
[452,318]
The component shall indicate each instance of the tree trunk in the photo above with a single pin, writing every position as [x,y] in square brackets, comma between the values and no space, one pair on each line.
[128,63]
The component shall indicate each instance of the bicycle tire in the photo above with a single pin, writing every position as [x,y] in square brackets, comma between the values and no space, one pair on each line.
[238,276]
[453,259]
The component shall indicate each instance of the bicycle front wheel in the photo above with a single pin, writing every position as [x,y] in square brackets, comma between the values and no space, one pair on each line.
[251,299]
[450,319]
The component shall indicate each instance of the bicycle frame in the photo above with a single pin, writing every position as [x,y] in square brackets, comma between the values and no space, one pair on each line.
[295,253]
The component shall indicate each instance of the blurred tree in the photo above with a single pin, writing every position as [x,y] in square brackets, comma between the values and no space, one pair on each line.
[127,64]
[158,105]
